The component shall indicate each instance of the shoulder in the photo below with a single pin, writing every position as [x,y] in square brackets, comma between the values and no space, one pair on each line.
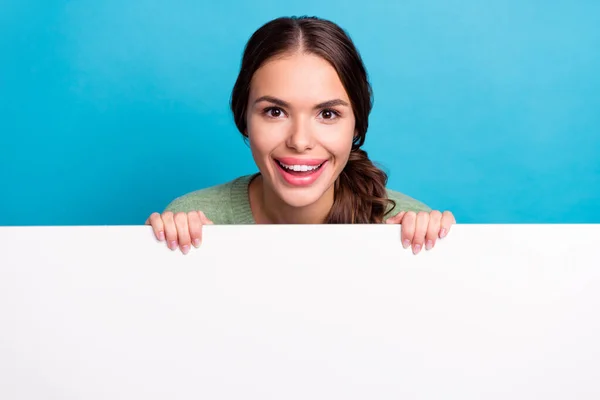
[211,200]
[215,201]
[405,203]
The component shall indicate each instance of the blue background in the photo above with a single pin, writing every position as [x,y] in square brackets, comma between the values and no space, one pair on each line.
[110,109]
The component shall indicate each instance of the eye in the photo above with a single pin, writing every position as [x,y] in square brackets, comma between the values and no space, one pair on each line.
[329,114]
[273,112]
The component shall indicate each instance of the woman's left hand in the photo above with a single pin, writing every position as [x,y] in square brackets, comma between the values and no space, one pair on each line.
[423,228]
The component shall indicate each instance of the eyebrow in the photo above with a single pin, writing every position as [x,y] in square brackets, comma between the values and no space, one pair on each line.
[281,103]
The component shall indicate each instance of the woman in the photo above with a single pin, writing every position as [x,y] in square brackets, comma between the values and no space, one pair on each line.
[302,100]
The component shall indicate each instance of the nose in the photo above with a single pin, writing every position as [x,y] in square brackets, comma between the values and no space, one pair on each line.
[300,137]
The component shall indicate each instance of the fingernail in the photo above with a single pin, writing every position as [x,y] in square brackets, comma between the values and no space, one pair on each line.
[185,249]
[442,233]
[161,236]
[417,249]
[173,245]
[406,243]
[196,242]
[429,245]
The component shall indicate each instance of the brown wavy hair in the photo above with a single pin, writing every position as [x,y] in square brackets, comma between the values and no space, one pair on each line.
[360,194]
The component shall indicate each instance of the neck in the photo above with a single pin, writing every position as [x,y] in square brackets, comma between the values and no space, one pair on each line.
[268,208]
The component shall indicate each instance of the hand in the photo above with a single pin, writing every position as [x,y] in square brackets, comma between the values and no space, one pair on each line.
[423,228]
[180,229]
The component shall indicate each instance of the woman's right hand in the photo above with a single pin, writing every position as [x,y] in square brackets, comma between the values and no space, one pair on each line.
[181,229]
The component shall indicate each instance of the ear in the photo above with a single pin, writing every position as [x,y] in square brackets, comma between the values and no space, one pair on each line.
[355,138]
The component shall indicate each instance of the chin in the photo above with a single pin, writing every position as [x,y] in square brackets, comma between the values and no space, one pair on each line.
[299,198]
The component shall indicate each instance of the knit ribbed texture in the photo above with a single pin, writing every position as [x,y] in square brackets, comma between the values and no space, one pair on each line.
[229,203]
[241,212]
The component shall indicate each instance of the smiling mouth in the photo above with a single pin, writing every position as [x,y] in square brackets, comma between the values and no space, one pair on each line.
[300,169]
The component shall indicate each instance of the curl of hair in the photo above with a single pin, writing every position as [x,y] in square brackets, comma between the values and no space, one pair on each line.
[360,193]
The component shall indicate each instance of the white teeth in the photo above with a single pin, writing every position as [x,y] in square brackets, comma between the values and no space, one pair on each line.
[303,168]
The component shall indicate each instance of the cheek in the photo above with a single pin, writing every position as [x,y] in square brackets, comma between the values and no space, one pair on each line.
[340,143]
[263,138]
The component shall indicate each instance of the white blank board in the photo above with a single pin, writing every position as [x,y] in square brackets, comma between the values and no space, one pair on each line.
[300,312]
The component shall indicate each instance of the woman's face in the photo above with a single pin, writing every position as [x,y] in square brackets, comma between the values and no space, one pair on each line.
[300,127]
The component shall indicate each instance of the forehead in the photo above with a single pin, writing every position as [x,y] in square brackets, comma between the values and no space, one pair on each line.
[298,78]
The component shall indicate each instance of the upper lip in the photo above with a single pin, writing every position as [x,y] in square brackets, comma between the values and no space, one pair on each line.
[301,161]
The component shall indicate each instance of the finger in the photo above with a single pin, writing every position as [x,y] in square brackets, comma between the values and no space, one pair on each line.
[408,228]
[195,226]
[433,230]
[170,229]
[183,232]
[204,219]
[156,222]
[396,219]
[446,223]
[420,231]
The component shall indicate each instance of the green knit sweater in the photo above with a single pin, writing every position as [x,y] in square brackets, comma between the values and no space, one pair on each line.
[228,203]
